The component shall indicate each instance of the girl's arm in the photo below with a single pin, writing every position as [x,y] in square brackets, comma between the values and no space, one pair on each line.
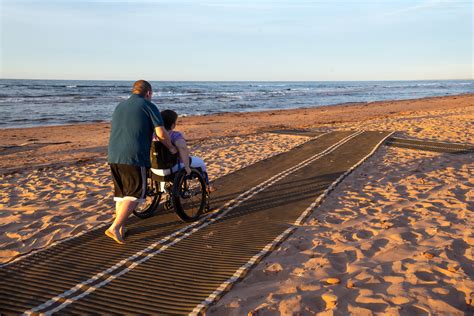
[183,153]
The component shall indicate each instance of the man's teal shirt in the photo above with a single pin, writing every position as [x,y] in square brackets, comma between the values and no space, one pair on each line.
[133,123]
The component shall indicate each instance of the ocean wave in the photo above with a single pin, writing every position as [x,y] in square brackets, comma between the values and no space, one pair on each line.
[84,97]
[101,86]
[463,84]
[46,103]
[416,86]
[39,96]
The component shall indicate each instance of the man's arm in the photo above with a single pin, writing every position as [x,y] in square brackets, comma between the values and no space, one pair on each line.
[164,137]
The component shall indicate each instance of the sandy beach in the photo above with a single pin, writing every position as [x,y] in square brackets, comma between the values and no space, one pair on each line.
[395,237]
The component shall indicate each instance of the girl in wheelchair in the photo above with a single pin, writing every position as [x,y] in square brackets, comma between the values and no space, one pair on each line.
[177,139]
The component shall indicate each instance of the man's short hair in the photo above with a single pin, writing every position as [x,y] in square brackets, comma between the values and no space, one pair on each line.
[141,87]
[169,118]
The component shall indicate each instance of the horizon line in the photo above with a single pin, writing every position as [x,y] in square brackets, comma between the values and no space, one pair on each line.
[132,80]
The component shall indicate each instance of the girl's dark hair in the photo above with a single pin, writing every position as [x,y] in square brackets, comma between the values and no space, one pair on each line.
[169,118]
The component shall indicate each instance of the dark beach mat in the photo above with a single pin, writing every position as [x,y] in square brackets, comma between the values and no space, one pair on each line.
[170,267]
[299,132]
[436,146]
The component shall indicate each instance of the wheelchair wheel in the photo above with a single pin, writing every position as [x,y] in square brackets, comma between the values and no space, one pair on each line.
[189,195]
[152,200]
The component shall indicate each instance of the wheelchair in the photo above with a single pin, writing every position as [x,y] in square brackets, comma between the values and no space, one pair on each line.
[186,194]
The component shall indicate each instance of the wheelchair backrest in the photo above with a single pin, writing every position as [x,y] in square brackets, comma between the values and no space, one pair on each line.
[161,157]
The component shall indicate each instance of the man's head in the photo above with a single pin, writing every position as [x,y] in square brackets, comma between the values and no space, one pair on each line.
[143,89]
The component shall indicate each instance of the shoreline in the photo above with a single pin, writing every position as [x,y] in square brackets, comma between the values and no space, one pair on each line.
[37,147]
[315,107]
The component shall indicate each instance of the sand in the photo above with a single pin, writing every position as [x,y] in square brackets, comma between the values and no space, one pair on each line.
[40,206]
[394,238]
[396,235]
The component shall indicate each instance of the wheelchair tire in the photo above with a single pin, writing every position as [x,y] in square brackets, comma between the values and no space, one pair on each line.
[189,195]
[152,200]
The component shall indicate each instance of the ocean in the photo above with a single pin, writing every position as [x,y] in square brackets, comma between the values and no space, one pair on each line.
[27,103]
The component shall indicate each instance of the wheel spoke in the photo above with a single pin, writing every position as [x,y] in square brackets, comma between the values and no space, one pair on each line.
[188,195]
[152,199]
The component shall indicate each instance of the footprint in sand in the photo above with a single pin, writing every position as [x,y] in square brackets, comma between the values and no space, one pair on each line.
[375,247]
[88,203]
[372,212]
[410,237]
[35,225]
[333,220]
[362,234]
[346,214]
[301,244]
[371,302]
[340,260]
[426,277]
[348,236]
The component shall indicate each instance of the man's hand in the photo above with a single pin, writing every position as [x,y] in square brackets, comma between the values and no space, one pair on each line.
[164,137]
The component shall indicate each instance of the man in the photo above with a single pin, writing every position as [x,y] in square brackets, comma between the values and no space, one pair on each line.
[133,124]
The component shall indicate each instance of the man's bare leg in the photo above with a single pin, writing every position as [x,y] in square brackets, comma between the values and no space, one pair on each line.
[123,230]
[118,204]
[123,209]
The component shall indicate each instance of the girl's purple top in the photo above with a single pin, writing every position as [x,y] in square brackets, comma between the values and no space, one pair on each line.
[175,135]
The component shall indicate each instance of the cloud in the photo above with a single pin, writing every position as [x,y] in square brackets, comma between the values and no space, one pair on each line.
[424,5]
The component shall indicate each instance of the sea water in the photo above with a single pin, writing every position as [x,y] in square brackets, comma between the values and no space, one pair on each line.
[26,103]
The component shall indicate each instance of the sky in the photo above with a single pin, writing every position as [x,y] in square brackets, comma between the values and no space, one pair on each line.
[279,40]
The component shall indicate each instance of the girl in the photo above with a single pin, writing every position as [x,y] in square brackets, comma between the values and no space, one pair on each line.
[177,139]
